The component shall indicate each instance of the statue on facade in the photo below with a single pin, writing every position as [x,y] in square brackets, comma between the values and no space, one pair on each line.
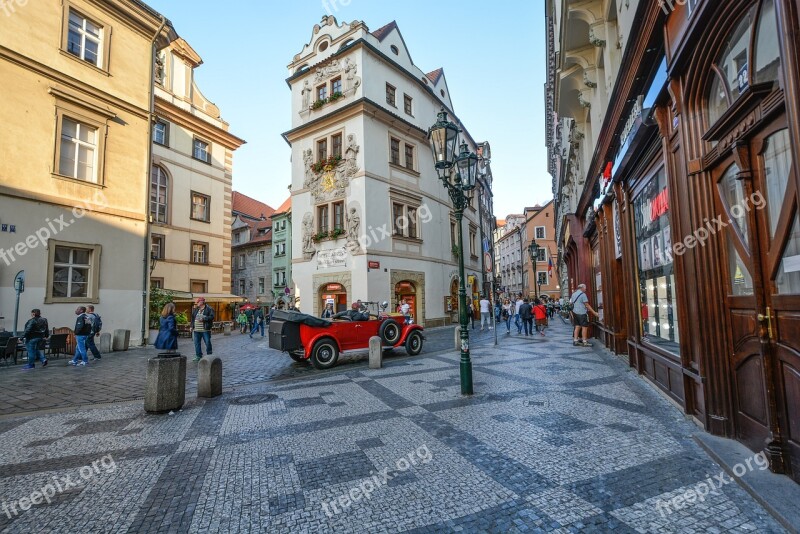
[311,177]
[306,93]
[353,222]
[308,236]
[350,70]
[351,167]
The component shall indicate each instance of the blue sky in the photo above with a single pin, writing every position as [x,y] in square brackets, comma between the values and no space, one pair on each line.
[494,59]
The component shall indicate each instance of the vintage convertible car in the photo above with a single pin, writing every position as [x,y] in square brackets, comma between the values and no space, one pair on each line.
[306,337]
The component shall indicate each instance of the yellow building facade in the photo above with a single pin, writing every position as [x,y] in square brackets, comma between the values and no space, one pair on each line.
[75,158]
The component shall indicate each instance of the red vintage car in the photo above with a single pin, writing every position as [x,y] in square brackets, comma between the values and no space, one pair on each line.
[306,337]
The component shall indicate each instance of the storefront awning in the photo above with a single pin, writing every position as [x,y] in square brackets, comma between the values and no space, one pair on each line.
[185,296]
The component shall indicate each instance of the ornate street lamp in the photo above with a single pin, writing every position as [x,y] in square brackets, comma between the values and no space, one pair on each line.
[533,248]
[153,261]
[458,174]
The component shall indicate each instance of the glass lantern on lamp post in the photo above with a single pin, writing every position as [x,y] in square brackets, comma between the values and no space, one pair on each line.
[533,249]
[458,173]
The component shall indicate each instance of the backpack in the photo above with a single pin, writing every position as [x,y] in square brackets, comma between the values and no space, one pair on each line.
[97,324]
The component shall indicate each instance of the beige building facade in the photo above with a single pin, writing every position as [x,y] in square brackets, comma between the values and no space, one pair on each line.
[74,158]
[540,227]
[190,183]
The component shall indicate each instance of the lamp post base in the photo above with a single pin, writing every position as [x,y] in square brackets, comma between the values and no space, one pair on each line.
[466,377]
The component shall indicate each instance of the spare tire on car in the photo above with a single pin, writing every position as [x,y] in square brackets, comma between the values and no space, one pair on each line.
[390,332]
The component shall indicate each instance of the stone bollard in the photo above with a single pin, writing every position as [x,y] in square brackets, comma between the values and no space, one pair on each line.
[104,344]
[121,340]
[165,390]
[375,353]
[226,329]
[458,338]
[209,377]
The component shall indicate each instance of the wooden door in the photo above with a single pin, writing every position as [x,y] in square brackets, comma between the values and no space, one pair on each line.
[778,220]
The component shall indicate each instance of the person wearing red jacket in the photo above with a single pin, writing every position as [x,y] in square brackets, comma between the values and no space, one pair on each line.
[540,314]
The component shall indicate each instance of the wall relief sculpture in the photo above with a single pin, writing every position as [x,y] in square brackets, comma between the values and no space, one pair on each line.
[328,180]
[353,222]
[308,236]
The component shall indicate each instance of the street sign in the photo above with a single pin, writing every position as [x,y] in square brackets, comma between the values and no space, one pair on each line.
[487,259]
[373,264]
[286,290]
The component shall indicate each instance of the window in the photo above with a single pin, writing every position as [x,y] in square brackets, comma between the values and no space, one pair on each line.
[404,220]
[85,39]
[157,283]
[409,156]
[453,241]
[541,278]
[199,252]
[390,95]
[338,215]
[336,86]
[322,150]
[541,255]
[157,246]
[237,237]
[407,104]
[158,194]
[472,243]
[199,286]
[283,249]
[200,207]
[262,257]
[322,92]
[322,218]
[241,261]
[261,286]
[161,133]
[78,154]
[280,278]
[242,284]
[71,269]
[395,144]
[201,151]
[336,144]
[394,50]
[540,232]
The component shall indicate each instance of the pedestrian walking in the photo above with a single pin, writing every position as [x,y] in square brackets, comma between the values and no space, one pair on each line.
[202,322]
[471,312]
[485,307]
[36,332]
[168,329]
[508,313]
[517,306]
[540,315]
[97,325]
[241,320]
[83,329]
[498,310]
[580,316]
[258,323]
[526,315]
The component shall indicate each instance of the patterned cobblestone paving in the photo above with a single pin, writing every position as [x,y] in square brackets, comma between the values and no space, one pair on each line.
[556,439]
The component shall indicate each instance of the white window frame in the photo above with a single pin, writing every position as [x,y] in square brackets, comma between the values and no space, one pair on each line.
[262,257]
[207,214]
[165,138]
[544,232]
[203,150]
[77,144]
[93,277]
[261,285]
[204,259]
[85,35]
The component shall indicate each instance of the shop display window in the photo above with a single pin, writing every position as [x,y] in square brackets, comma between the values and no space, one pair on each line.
[659,317]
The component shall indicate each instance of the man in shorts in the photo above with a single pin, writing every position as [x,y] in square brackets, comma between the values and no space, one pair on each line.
[580,313]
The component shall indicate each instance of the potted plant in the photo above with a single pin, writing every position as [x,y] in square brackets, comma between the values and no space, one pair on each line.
[336,233]
[335,96]
[319,236]
[456,250]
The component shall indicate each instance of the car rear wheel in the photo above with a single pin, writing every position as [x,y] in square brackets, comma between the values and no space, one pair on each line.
[414,343]
[324,354]
[298,356]
[390,332]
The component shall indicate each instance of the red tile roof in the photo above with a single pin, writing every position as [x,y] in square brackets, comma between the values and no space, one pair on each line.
[286,206]
[382,32]
[434,75]
[250,207]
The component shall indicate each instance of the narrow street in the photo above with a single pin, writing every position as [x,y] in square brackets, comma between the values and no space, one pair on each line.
[556,438]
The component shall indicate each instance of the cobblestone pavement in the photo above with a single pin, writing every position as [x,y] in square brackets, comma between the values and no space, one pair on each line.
[556,439]
[120,376]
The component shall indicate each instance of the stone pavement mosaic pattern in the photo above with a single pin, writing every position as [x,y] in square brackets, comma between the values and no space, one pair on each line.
[556,439]
[120,376]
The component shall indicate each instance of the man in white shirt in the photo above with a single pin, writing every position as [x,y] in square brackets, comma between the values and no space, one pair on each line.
[485,310]
[517,306]
[404,309]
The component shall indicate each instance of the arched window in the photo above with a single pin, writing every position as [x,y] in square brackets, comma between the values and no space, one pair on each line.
[159,190]
[751,55]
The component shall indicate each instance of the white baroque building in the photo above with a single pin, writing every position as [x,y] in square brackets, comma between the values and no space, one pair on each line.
[371,220]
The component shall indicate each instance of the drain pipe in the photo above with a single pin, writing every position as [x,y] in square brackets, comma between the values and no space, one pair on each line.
[146,248]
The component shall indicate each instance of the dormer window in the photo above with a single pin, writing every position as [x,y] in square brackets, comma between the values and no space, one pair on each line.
[395,51]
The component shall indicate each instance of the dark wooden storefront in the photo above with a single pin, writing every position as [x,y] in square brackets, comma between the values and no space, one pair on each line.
[715,321]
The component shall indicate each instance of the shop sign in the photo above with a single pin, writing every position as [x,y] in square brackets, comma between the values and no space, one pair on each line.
[652,209]
[742,78]
[333,287]
[373,265]
[635,115]
[617,232]
[487,259]
[336,257]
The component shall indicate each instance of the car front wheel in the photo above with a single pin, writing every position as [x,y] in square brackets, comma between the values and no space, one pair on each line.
[414,343]
[324,354]
[390,332]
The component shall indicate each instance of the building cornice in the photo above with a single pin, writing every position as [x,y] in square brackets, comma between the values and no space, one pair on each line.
[180,116]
